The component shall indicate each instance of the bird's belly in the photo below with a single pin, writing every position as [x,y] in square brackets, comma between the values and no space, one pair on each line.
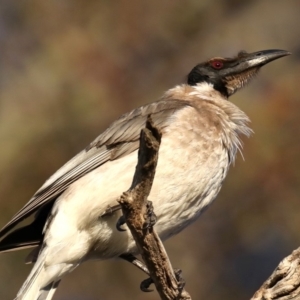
[184,185]
[183,190]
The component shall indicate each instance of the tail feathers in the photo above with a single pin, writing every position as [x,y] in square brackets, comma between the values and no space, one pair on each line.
[33,255]
[48,292]
[31,287]
[37,286]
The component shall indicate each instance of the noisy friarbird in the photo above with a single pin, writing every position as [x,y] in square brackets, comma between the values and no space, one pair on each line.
[76,210]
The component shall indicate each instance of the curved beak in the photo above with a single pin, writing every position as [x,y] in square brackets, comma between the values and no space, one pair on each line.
[260,58]
[244,67]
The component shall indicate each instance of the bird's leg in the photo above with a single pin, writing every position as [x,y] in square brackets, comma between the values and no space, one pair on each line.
[111,209]
[150,217]
[135,261]
[144,286]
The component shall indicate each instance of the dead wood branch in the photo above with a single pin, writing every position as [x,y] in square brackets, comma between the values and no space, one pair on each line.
[284,283]
[134,209]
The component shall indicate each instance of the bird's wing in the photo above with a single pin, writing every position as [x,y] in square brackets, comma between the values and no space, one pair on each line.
[119,139]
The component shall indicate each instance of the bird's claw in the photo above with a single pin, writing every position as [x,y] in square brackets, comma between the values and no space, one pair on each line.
[144,286]
[150,217]
[179,278]
[121,221]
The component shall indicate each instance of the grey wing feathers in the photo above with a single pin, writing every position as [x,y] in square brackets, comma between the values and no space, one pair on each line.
[128,126]
[119,139]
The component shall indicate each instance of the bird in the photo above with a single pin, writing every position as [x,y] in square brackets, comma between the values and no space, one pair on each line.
[76,210]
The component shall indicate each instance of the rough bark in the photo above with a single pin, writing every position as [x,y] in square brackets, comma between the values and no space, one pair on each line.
[284,283]
[133,203]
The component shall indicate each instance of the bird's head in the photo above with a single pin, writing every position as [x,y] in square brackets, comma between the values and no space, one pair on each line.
[227,75]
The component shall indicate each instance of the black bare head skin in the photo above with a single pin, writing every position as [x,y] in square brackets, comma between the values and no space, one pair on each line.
[227,75]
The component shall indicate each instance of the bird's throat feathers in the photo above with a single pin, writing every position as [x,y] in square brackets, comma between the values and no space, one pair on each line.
[203,90]
[231,122]
[235,82]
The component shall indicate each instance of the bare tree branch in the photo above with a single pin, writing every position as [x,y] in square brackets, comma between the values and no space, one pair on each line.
[135,206]
[284,283]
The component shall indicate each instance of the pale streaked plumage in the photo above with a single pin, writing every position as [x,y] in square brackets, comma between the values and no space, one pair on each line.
[210,127]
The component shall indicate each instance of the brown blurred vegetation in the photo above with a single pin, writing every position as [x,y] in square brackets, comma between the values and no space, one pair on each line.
[68,68]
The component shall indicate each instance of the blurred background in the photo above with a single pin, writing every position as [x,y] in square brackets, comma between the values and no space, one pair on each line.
[69,68]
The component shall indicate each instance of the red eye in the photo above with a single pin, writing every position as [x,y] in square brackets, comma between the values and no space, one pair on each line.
[217,64]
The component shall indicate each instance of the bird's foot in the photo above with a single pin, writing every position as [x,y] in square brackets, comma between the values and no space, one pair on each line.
[150,217]
[144,286]
[135,261]
[111,209]
[180,280]
[121,221]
